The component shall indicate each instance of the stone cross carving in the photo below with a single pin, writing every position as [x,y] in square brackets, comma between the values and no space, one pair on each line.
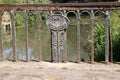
[58,24]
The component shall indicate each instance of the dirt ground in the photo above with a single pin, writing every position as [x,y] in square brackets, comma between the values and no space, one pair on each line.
[58,71]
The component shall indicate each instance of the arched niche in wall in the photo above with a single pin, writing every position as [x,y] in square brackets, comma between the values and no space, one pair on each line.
[72,36]
[99,31]
[85,34]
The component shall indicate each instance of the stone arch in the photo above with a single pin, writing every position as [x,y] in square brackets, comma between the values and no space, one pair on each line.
[99,31]
[72,37]
[71,14]
[85,34]
[58,12]
[99,13]
[85,12]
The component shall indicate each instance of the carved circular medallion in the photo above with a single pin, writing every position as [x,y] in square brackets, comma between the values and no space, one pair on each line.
[57,22]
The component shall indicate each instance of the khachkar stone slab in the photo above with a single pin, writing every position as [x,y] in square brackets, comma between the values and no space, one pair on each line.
[57,22]
[58,25]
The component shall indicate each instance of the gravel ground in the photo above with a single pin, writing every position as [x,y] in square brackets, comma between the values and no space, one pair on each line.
[58,71]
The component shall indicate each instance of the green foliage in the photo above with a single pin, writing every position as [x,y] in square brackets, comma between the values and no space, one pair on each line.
[115,33]
[99,42]
[19,19]
[100,38]
[31,19]
[115,25]
[19,16]
[8,1]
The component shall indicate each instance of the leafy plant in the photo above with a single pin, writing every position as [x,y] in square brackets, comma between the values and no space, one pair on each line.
[99,42]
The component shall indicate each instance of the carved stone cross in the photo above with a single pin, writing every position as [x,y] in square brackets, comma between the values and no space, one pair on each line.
[58,24]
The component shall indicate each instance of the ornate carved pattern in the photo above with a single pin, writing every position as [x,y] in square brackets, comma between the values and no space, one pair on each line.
[62,45]
[58,45]
[54,45]
[57,22]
